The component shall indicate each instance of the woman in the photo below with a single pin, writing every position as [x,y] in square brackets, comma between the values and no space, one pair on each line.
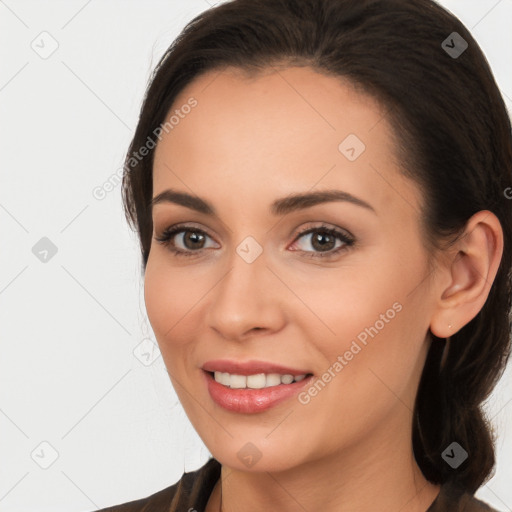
[320,191]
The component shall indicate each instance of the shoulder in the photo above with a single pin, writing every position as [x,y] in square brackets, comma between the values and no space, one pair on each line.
[473,504]
[453,499]
[191,491]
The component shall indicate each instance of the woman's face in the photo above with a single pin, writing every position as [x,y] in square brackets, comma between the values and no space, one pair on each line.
[352,307]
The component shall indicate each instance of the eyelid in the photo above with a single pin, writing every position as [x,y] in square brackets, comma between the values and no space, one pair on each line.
[339,233]
[184,226]
[313,225]
[319,225]
[348,240]
[180,227]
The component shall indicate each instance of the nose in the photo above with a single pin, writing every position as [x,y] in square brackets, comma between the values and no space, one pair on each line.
[248,300]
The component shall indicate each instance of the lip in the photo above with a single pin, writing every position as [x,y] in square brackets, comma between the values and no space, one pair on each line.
[250,367]
[251,401]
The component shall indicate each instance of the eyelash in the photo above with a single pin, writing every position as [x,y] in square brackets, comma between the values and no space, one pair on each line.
[169,233]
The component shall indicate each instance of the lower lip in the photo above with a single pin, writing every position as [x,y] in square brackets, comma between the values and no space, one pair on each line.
[250,401]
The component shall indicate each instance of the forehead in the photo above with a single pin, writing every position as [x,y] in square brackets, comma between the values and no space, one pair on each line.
[278,132]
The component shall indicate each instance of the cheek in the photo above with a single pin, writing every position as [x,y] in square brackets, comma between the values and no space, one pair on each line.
[169,297]
[377,318]
[353,300]
[169,302]
[370,370]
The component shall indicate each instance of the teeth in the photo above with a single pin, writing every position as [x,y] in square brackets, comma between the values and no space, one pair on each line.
[287,379]
[272,379]
[238,381]
[256,381]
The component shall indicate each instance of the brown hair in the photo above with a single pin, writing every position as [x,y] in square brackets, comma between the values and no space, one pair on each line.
[453,137]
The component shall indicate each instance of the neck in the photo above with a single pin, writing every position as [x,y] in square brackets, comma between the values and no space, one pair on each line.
[379,472]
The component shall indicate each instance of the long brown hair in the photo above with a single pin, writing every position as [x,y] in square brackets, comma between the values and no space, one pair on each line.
[453,137]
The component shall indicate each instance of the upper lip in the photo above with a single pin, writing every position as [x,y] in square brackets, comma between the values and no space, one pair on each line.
[250,367]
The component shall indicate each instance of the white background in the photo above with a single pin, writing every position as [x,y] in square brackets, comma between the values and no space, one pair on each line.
[70,326]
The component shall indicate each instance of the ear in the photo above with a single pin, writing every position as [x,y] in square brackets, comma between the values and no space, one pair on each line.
[469,274]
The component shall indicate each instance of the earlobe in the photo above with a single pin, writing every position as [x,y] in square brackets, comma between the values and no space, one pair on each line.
[471,274]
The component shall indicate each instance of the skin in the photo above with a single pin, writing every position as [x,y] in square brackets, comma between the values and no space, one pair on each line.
[248,142]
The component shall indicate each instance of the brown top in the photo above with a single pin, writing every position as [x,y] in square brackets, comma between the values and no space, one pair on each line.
[192,492]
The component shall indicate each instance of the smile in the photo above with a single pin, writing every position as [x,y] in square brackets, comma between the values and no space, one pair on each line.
[255,381]
[241,398]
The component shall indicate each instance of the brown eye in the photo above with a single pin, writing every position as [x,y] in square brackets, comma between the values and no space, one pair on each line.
[323,240]
[191,239]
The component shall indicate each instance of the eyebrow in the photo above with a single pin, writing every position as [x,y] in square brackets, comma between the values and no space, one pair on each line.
[281,206]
